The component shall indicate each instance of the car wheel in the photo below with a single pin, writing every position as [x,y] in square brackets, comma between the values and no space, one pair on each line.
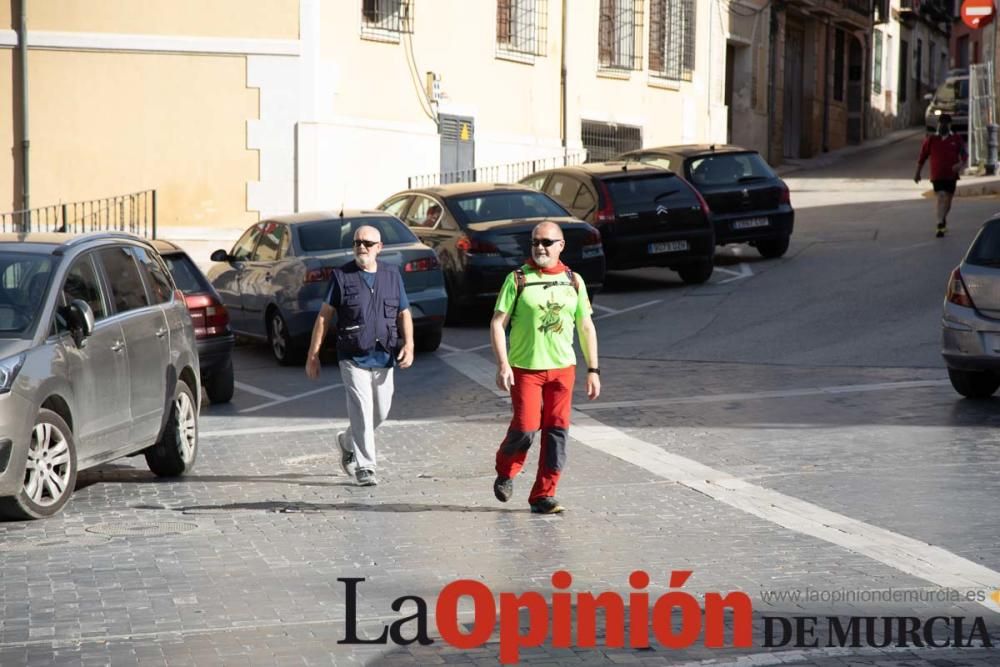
[429,340]
[175,452]
[696,274]
[283,347]
[773,248]
[50,473]
[974,384]
[220,385]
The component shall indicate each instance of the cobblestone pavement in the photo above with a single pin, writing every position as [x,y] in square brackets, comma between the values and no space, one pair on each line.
[239,562]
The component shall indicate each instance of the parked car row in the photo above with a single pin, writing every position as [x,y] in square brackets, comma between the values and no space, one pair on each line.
[455,243]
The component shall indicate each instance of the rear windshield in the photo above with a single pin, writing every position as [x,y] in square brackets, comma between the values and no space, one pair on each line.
[951,90]
[24,279]
[338,233]
[186,275]
[985,249]
[729,169]
[643,193]
[505,206]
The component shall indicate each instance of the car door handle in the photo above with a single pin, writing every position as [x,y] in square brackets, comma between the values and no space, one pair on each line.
[118,346]
[161,332]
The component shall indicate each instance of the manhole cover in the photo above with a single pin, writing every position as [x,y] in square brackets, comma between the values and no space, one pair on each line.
[129,528]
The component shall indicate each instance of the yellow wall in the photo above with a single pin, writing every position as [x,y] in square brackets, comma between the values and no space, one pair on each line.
[104,124]
[8,200]
[275,19]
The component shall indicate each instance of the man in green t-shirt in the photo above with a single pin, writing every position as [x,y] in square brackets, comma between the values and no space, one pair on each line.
[543,302]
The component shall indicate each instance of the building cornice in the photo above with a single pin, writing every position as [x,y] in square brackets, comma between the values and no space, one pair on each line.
[102,41]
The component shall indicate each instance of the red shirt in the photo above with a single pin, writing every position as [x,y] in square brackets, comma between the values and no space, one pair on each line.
[945,153]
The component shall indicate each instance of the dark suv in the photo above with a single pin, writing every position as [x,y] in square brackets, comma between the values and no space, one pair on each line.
[646,216]
[97,361]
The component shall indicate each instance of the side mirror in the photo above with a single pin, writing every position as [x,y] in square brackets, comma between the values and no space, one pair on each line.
[80,320]
[929,96]
[220,256]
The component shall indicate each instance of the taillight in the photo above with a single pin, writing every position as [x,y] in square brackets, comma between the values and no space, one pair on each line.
[786,195]
[593,237]
[210,318]
[320,275]
[472,246]
[607,212]
[957,293]
[424,264]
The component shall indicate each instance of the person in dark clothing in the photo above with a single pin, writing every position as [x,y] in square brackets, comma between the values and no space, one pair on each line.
[947,153]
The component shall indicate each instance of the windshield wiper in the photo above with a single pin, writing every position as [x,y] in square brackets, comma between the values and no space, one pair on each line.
[664,194]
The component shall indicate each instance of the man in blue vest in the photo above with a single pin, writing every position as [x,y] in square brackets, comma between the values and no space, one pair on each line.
[374,332]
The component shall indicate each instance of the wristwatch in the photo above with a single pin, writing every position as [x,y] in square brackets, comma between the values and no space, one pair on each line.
[595,371]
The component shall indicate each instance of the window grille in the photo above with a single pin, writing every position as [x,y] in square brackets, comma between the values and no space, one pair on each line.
[606,141]
[522,26]
[381,18]
[620,34]
[672,39]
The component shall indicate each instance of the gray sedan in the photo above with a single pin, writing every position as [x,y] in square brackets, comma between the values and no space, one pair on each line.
[971,320]
[275,278]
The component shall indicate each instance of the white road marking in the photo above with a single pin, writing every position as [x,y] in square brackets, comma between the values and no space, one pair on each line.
[250,389]
[758,395]
[290,398]
[604,308]
[449,348]
[476,369]
[744,272]
[628,310]
[902,553]
[343,423]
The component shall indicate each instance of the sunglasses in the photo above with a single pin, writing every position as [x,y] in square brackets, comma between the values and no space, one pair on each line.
[368,244]
[544,242]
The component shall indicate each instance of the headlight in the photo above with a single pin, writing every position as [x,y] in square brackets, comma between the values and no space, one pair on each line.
[9,368]
[937,112]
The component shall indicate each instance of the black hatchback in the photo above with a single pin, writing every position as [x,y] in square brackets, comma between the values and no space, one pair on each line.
[646,216]
[749,203]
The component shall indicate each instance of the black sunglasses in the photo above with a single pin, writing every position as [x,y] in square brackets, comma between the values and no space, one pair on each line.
[368,244]
[545,242]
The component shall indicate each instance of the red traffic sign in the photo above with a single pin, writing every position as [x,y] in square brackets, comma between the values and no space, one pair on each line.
[977,13]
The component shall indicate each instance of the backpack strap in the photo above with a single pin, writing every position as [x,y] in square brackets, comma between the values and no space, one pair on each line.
[572,279]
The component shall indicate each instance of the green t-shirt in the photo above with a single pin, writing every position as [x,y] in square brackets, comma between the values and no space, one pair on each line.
[541,329]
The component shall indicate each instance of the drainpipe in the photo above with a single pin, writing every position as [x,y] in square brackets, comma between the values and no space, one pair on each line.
[563,129]
[22,45]
[826,91]
[772,85]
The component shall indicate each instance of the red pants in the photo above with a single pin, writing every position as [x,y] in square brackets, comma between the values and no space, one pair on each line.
[542,399]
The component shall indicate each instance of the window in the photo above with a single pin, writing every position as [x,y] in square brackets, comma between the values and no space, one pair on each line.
[397,206]
[338,234]
[536,182]
[877,67]
[386,18]
[427,213]
[127,292]
[729,169]
[563,189]
[838,65]
[619,30]
[244,247]
[271,240]
[156,275]
[81,283]
[522,26]
[505,206]
[24,280]
[606,141]
[672,39]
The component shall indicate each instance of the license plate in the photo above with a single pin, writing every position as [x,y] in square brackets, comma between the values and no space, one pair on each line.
[751,223]
[669,246]
[592,251]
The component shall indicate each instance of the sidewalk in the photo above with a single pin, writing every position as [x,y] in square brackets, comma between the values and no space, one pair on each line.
[832,157]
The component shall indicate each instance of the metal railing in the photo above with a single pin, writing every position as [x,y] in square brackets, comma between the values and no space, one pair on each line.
[982,111]
[134,212]
[501,173]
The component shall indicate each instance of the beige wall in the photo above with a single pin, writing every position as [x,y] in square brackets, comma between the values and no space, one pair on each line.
[104,124]
[276,19]
[9,200]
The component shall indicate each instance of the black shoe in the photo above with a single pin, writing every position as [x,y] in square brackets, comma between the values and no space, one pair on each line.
[548,505]
[503,488]
[942,226]
[366,477]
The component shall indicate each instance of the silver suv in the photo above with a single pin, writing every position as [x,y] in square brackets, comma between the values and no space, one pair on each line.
[97,361]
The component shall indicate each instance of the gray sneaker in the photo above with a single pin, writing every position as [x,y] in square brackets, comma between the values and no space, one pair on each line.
[347,462]
[366,477]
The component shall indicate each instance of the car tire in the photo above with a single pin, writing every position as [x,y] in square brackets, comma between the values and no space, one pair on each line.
[177,449]
[696,274]
[46,492]
[773,248]
[429,340]
[974,384]
[220,385]
[283,347]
